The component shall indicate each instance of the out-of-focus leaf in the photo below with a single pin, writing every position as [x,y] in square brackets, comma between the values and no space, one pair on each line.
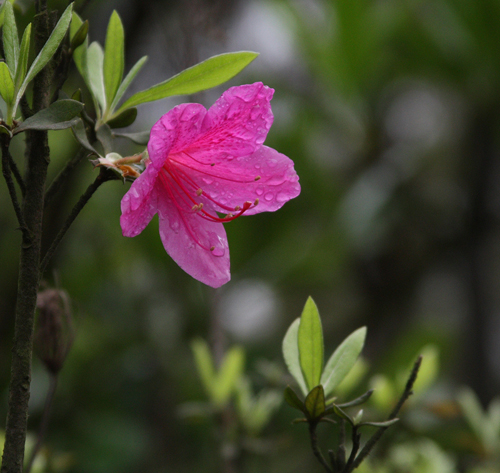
[126,118]
[228,375]
[342,360]
[6,83]
[386,423]
[2,11]
[310,342]
[22,65]
[290,349]
[140,138]
[48,50]
[205,75]
[114,56]
[428,371]
[95,60]
[293,400]
[80,53]
[359,400]
[384,393]
[127,81]
[57,116]
[204,364]
[10,38]
[315,402]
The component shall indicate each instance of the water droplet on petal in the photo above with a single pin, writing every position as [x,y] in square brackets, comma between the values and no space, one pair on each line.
[259,191]
[269,196]
[175,226]
[207,180]
[218,251]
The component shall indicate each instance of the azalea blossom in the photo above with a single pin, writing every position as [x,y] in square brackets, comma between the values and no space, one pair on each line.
[205,168]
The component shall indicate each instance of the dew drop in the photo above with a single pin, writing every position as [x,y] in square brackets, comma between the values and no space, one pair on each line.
[218,252]
[269,196]
[207,180]
[175,226]
[259,191]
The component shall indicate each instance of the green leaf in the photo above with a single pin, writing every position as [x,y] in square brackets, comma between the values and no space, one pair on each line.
[342,414]
[126,118]
[140,138]
[229,374]
[204,364]
[293,400]
[342,360]
[46,53]
[359,400]
[114,56]
[315,402]
[95,76]
[105,137]
[80,53]
[290,349]
[127,81]
[58,116]
[22,65]
[384,424]
[80,36]
[78,130]
[310,341]
[6,84]
[205,75]
[10,38]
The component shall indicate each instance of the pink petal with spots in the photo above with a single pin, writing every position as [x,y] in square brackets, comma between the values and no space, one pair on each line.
[187,238]
[139,203]
[174,131]
[265,175]
[236,125]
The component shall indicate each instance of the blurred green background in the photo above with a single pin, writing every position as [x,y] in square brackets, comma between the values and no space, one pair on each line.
[390,111]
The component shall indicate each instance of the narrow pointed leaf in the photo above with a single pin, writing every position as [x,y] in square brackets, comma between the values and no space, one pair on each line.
[114,56]
[105,137]
[205,75]
[95,60]
[229,374]
[342,414]
[342,360]
[78,130]
[48,50]
[310,341]
[291,355]
[58,116]
[385,424]
[293,400]
[6,84]
[10,38]
[140,138]
[80,36]
[315,402]
[80,53]
[359,400]
[22,65]
[127,81]
[204,364]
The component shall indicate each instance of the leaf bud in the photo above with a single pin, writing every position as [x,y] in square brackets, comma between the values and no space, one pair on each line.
[80,35]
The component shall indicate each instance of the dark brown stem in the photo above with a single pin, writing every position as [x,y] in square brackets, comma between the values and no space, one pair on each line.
[315,448]
[45,421]
[104,175]
[376,436]
[17,174]
[354,450]
[56,184]
[38,156]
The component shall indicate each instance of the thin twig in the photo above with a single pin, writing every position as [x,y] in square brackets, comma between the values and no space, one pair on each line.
[17,174]
[104,175]
[356,436]
[315,448]
[376,436]
[45,421]
[6,170]
[56,184]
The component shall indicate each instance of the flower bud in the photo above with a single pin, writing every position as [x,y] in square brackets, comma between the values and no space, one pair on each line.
[54,332]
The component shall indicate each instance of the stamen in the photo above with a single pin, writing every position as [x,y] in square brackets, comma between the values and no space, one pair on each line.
[199,192]
[256,202]
[257,178]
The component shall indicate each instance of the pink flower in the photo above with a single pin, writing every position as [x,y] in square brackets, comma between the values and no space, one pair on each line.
[206,162]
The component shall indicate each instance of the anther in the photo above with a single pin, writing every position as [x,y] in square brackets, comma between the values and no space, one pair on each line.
[213,164]
[237,208]
[212,248]
[199,192]
[257,178]
[256,202]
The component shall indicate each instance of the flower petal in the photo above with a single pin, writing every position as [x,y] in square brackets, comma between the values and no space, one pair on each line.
[187,238]
[174,131]
[139,203]
[266,175]
[236,125]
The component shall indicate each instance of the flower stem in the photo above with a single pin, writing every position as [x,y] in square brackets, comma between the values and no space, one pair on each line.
[104,175]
